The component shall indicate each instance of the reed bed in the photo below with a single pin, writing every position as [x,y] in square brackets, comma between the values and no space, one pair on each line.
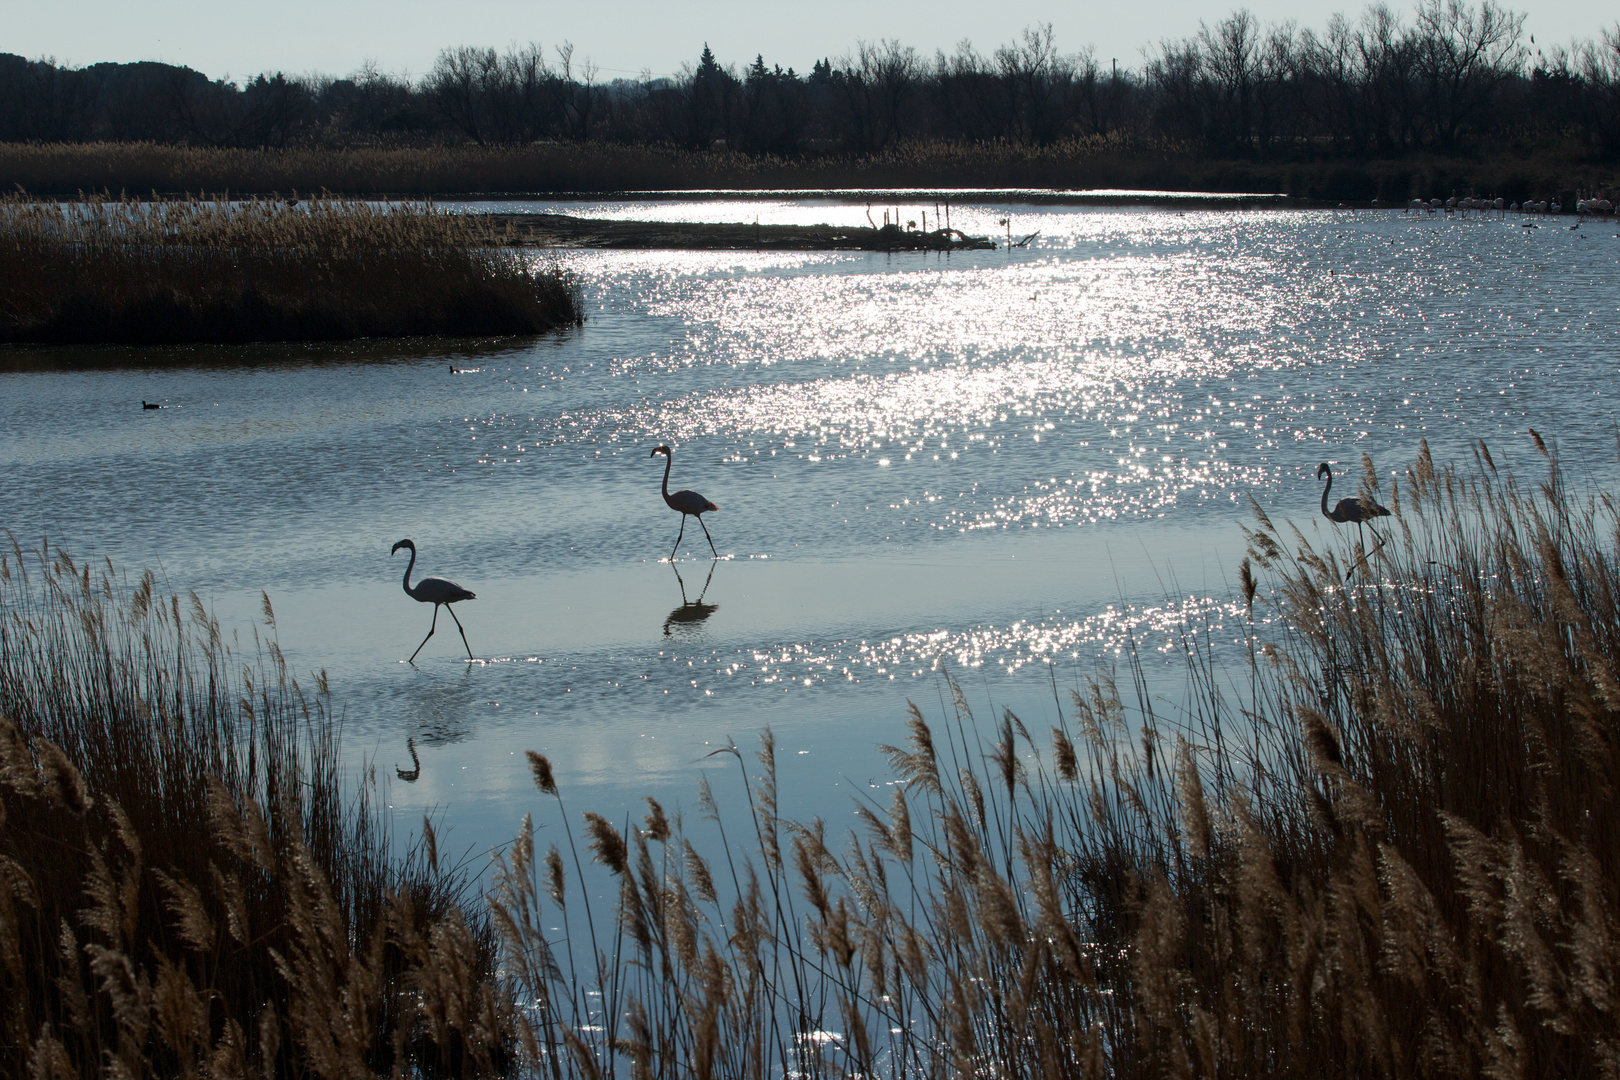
[185,891]
[1382,839]
[1393,849]
[66,168]
[1117,160]
[101,269]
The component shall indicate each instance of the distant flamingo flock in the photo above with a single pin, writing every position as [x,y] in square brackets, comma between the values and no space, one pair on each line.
[1481,207]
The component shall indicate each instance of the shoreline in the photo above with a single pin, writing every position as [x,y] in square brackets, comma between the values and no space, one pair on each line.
[914,169]
[566,231]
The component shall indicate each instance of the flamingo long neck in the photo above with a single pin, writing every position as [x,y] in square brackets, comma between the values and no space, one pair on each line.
[408,568]
[1325,495]
[669,463]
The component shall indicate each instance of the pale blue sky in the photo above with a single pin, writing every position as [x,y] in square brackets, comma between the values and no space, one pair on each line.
[227,37]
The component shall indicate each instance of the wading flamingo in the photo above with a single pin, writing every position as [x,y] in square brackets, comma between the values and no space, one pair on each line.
[434,591]
[687,502]
[1357,510]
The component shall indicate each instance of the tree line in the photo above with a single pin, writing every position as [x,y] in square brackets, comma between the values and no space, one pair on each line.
[1448,78]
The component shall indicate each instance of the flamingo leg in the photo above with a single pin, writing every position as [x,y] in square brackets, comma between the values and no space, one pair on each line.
[1362,558]
[678,536]
[706,535]
[431,628]
[464,644]
[1365,555]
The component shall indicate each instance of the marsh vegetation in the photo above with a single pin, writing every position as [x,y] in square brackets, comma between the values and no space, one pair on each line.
[1379,839]
[186,887]
[1448,98]
[101,269]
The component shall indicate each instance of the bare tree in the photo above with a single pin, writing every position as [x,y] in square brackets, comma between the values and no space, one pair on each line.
[456,87]
[880,83]
[1037,80]
[1463,55]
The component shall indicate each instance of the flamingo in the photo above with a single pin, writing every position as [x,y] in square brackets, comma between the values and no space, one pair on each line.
[434,591]
[687,502]
[1357,510]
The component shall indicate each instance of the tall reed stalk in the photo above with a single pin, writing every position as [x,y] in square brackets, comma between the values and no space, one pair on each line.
[185,889]
[119,270]
[1391,849]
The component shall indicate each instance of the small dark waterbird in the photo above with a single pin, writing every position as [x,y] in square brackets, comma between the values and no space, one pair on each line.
[149,404]
[687,502]
[435,591]
[1361,511]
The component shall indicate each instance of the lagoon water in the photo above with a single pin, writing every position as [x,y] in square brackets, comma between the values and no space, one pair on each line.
[1008,464]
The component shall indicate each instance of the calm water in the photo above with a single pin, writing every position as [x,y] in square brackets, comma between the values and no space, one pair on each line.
[1003,461]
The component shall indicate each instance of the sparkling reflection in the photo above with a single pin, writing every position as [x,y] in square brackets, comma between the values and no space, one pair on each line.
[901,435]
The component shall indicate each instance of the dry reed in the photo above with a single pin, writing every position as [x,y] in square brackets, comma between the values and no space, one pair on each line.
[1117,160]
[184,888]
[1395,852]
[120,270]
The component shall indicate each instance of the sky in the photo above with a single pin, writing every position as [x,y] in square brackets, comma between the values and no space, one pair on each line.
[228,38]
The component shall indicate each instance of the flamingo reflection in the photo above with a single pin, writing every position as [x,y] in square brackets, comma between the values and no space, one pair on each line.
[411,775]
[691,612]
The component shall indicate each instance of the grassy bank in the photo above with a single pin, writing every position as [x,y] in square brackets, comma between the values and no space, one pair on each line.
[63,169]
[117,270]
[1394,852]
[184,888]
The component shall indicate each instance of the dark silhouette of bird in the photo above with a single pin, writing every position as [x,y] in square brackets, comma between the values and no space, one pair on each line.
[691,612]
[414,773]
[1361,511]
[435,591]
[150,404]
[687,502]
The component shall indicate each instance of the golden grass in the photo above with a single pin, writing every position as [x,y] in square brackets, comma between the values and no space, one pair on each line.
[184,889]
[1395,853]
[119,270]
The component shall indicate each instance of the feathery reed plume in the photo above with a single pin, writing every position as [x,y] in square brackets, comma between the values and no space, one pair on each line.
[540,766]
[657,824]
[606,842]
